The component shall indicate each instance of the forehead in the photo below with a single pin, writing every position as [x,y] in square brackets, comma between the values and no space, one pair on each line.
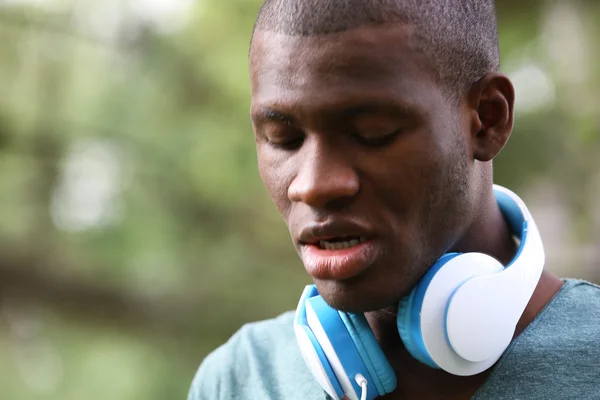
[379,61]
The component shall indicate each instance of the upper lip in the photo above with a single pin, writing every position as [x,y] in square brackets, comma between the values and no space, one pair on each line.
[316,232]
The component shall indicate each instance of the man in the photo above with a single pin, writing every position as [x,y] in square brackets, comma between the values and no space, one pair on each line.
[378,121]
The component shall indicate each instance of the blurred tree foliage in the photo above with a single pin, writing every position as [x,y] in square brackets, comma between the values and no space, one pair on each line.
[136,234]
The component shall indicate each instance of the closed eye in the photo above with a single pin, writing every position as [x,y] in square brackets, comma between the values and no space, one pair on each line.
[288,145]
[377,140]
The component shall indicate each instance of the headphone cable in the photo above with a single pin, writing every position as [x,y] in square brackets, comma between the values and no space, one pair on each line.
[363,384]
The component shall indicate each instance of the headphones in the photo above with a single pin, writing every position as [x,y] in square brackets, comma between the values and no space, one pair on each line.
[458,318]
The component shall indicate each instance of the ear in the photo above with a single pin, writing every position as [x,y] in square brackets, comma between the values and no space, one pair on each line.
[492,99]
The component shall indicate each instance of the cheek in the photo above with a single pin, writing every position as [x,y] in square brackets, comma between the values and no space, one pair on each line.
[276,175]
[418,190]
[405,175]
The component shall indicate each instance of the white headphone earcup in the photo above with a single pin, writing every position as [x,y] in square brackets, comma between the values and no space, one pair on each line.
[439,292]
[488,297]
[408,318]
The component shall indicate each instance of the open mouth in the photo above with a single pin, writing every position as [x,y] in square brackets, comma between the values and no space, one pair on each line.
[340,243]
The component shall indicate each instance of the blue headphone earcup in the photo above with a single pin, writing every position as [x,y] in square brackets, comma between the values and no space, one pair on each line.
[342,344]
[409,315]
[372,355]
[410,339]
[314,356]
[311,350]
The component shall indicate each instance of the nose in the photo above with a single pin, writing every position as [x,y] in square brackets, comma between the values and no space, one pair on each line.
[325,177]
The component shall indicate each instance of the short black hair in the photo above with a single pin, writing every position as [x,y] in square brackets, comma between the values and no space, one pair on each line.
[460,37]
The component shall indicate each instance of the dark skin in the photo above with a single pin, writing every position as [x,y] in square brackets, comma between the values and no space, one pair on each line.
[353,127]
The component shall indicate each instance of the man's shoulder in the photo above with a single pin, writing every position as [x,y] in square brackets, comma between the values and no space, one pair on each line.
[570,323]
[260,335]
[280,328]
[575,288]
[573,310]
[582,289]
[261,360]
[556,356]
[254,343]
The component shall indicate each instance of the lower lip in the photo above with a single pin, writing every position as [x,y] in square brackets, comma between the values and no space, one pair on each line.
[339,264]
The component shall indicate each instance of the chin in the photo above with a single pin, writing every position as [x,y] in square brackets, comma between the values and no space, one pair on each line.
[356,296]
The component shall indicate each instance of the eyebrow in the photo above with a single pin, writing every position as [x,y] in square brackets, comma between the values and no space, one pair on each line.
[375,108]
[267,114]
[270,115]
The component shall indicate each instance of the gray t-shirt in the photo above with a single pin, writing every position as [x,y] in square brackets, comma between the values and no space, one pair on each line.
[556,357]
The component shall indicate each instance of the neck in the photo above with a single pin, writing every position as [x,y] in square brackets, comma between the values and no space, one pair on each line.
[489,234]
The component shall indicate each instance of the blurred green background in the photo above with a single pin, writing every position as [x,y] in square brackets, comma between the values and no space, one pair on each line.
[136,235]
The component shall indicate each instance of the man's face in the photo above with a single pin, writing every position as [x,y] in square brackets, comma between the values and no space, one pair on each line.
[365,158]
